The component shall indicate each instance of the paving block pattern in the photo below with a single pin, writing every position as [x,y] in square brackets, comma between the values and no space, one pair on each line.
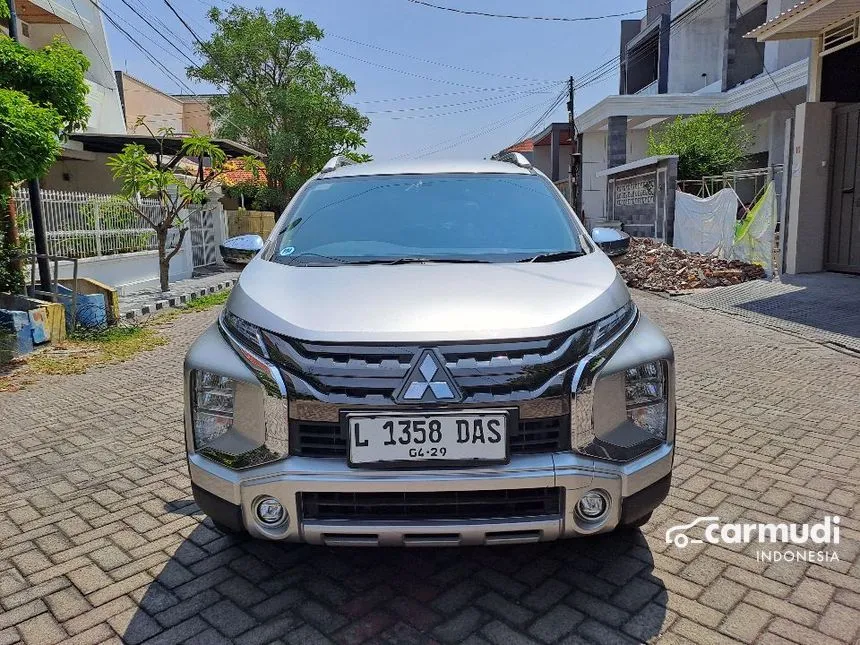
[821,307]
[100,539]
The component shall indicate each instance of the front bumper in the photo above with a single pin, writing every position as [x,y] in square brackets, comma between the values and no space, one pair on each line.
[227,495]
[633,488]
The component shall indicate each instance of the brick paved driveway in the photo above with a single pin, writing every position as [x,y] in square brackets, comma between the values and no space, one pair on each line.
[100,540]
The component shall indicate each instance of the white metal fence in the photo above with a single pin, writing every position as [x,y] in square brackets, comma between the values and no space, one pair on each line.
[85,225]
[201,228]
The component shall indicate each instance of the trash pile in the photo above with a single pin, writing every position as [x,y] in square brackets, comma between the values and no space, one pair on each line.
[655,266]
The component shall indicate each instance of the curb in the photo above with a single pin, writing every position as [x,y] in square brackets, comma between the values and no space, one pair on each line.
[176,301]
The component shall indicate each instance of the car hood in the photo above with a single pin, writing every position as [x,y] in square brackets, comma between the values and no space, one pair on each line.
[428,302]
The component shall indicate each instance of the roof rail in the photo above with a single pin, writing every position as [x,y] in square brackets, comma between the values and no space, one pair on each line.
[515,158]
[336,162]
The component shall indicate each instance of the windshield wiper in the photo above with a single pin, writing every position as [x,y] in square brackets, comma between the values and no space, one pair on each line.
[554,256]
[418,260]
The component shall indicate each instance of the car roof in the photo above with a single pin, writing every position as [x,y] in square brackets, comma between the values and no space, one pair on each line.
[435,167]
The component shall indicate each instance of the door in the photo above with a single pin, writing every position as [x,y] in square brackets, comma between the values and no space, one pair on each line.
[843,230]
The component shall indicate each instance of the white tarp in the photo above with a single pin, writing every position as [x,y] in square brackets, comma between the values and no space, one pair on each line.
[706,225]
[753,240]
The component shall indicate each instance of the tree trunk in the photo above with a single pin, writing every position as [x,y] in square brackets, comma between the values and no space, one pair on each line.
[11,241]
[163,262]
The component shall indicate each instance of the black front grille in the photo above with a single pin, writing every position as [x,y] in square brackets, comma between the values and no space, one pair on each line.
[317,439]
[549,434]
[454,505]
[485,372]
[327,439]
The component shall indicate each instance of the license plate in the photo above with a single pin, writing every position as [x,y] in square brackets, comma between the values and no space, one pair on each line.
[441,437]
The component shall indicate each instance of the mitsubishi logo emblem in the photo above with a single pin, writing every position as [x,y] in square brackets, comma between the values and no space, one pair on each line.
[428,381]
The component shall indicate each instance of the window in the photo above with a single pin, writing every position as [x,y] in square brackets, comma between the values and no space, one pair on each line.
[456,217]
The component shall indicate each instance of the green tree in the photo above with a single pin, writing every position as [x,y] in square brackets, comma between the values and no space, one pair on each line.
[143,176]
[706,144]
[280,99]
[42,96]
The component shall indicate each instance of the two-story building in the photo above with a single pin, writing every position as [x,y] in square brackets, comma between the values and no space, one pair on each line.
[80,24]
[822,217]
[686,57]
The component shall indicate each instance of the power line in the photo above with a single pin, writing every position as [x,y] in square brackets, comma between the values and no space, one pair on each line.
[89,35]
[413,74]
[485,14]
[443,94]
[150,57]
[440,64]
[438,146]
[422,108]
[492,127]
[441,114]
[166,39]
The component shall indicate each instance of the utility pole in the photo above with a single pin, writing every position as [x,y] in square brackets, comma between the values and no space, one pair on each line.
[572,165]
[39,235]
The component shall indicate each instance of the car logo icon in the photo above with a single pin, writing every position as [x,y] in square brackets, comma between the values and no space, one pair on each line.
[428,381]
[676,534]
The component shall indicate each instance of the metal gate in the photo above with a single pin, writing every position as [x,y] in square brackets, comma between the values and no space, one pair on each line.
[843,224]
[201,228]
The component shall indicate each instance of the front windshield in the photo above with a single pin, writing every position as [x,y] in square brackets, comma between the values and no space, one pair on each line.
[432,218]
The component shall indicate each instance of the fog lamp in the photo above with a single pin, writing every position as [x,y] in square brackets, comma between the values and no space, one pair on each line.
[592,505]
[270,511]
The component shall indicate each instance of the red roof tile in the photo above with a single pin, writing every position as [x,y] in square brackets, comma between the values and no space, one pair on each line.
[526,145]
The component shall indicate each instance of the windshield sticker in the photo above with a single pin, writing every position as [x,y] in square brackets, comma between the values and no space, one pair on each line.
[288,250]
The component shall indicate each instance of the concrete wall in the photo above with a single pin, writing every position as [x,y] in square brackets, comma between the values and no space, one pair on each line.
[696,47]
[542,160]
[82,176]
[643,198]
[810,177]
[747,53]
[159,109]
[196,117]
[593,187]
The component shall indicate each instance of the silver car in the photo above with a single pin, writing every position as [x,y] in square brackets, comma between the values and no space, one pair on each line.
[429,354]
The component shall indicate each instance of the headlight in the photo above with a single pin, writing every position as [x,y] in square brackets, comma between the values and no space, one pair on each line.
[607,327]
[212,407]
[645,394]
[236,423]
[623,415]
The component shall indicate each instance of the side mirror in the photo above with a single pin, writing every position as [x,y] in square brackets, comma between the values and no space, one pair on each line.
[611,241]
[241,249]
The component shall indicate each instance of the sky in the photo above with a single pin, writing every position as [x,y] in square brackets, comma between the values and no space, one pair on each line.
[511,57]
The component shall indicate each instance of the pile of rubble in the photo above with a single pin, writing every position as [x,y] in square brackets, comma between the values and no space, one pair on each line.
[655,266]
